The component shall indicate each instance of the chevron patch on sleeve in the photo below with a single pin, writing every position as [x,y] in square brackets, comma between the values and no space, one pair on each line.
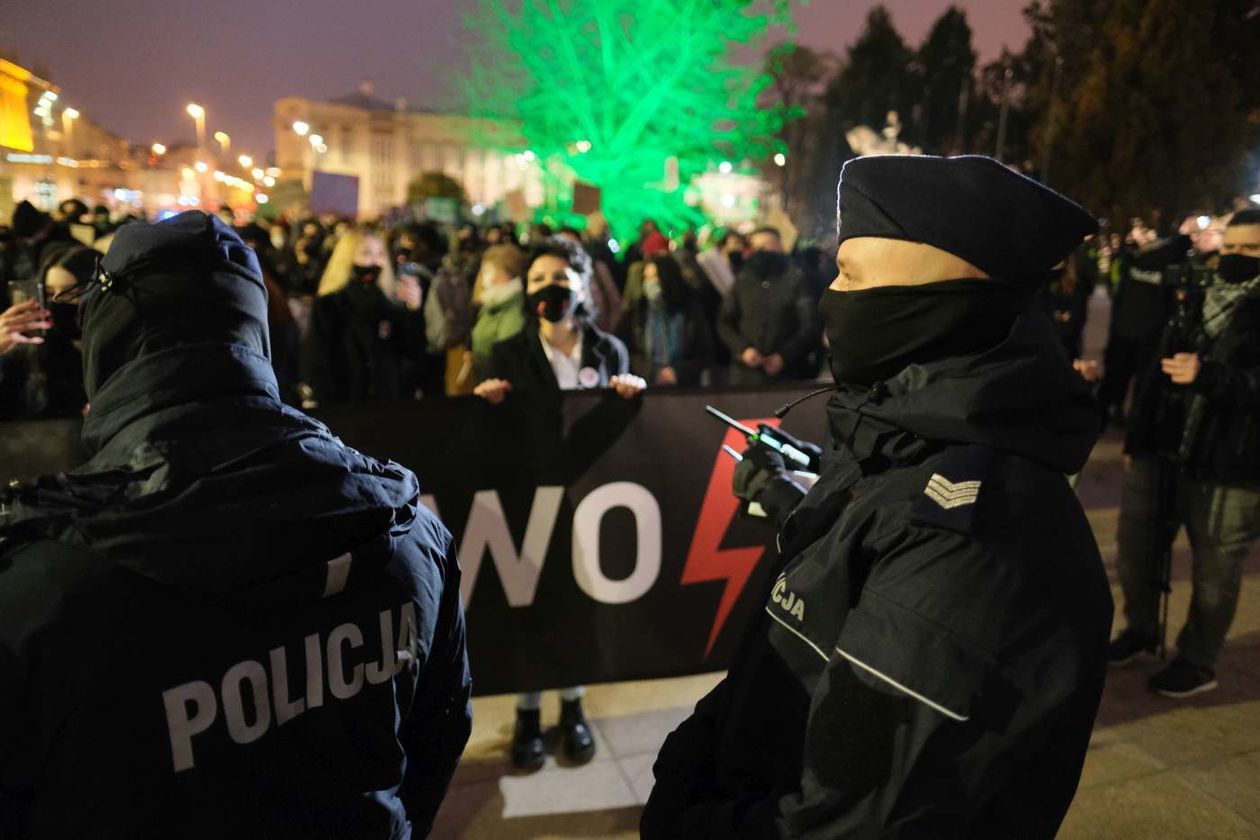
[949,494]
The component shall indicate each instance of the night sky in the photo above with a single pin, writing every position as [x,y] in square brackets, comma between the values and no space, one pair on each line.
[134,65]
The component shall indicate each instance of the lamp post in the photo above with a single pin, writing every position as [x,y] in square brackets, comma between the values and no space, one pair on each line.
[198,114]
[245,161]
[224,141]
[68,116]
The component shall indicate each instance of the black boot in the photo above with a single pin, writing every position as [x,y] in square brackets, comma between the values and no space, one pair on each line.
[527,742]
[579,746]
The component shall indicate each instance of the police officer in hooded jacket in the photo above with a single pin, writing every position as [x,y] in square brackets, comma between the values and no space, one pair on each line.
[931,657]
[226,623]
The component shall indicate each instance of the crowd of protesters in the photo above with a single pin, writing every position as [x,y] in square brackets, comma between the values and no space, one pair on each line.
[378,313]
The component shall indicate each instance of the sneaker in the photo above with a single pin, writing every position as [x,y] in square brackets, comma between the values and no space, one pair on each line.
[579,745]
[1182,679]
[527,741]
[1128,646]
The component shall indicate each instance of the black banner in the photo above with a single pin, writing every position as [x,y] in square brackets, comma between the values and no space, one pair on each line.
[598,543]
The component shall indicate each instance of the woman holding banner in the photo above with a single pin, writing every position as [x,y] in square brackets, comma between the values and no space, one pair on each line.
[560,349]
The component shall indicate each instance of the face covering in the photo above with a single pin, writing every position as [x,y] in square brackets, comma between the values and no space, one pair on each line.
[1238,268]
[653,293]
[365,273]
[767,263]
[500,293]
[875,333]
[65,319]
[556,302]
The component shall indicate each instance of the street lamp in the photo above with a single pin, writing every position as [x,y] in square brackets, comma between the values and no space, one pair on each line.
[158,149]
[257,173]
[68,116]
[200,166]
[225,142]
[199,114]
[301,129]
[246,161]
[780,159]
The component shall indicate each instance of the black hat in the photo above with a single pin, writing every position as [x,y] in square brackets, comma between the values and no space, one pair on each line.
[186,280]
[972,206]
[28,220]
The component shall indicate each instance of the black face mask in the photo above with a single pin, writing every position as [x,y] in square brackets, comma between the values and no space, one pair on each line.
[875,333]
[65,319]
[1237,268]
[767,263]
[365,273]
[555,300]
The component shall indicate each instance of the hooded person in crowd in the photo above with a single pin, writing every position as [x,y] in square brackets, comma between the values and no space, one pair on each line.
[930,659]
[226,623]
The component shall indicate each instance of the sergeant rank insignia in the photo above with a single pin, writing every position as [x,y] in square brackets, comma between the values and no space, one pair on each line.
[950,495]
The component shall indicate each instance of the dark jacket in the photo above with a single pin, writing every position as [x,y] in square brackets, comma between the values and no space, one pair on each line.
[1211,427]
[695,353]
[770,312]
[225,624]
[931,658]
[356,346]
[559,456]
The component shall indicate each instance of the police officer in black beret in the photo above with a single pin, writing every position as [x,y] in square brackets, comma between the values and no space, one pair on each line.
[931,657]
[226,623]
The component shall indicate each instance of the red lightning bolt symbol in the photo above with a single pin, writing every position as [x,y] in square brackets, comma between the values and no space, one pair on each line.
[707,560]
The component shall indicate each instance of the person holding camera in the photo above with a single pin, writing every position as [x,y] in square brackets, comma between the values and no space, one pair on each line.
[1193,456]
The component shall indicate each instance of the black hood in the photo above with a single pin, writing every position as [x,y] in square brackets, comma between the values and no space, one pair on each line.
[1021,396]
[187,280]
[203,480]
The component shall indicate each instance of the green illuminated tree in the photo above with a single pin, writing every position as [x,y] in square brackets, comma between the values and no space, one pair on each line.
[634,96]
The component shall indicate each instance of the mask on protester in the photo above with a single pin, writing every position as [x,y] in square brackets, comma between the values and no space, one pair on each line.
[737,261]
[65,319]
[652,292]
[876,333]
[500,293]
[1238,268]
[555,302]
[365,273]
[767,263]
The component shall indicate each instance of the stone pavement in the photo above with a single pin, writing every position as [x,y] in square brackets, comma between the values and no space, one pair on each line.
[1157,768]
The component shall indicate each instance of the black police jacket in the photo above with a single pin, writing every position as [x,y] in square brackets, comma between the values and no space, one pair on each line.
[226,624]
[930,660]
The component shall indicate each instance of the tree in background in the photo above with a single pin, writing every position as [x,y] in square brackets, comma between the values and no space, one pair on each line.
[878,76]
[946,64]
[434,185]
[1143,107]
[799,78]
[633,96]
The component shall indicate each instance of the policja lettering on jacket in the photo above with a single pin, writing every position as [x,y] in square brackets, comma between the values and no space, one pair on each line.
[192,708]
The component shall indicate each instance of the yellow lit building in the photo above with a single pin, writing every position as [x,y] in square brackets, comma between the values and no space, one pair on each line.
[386,145]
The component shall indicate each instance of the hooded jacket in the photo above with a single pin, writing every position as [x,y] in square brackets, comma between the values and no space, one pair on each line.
[931,657]
[226,622]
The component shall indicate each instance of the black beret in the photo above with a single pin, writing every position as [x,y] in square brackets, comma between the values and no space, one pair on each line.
[972,206]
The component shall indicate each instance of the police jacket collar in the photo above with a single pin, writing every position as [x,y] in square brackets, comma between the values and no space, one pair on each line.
[148,388]
[1021,396]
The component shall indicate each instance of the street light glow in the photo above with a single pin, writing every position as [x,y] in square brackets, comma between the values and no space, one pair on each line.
[200,166]
[724,167]
[196,111]
[246,161]
[71,113]
[780,159]
[316,140]
[158,149]
[257,173]
[300,128]
[269,181]
[261,198]
[1255,198]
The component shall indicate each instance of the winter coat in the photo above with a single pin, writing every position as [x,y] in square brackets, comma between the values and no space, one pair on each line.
[931,657]
[356,346]
[495,323]
[1211,427]
[769,312]
[225,624]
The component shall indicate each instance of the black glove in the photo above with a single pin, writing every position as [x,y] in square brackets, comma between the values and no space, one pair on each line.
[760,466]
[811,450]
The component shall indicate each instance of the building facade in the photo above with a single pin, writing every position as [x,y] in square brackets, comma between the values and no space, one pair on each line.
[387,145]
